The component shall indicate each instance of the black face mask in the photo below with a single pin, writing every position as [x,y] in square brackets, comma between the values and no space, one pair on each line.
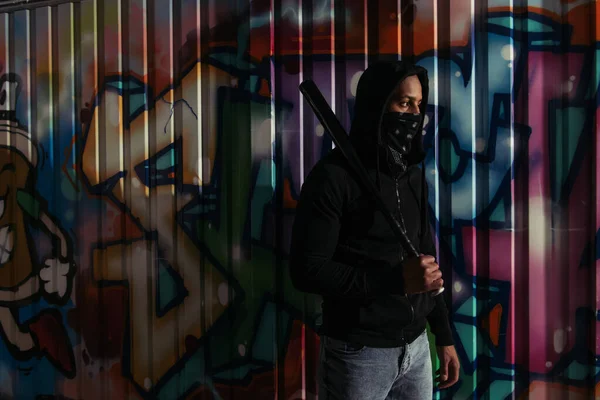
[398,131]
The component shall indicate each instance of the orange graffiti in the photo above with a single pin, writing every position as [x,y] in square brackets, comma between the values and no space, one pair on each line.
[288,199]
[491,324]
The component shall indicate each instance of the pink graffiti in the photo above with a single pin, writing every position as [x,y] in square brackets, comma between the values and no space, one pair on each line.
[551,275]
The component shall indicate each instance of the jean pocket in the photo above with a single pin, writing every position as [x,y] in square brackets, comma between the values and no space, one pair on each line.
[343,347]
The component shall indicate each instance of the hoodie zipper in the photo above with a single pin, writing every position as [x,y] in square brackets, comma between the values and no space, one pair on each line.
[399,208]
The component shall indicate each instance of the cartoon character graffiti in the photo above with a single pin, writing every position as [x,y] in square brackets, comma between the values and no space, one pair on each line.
[22,279]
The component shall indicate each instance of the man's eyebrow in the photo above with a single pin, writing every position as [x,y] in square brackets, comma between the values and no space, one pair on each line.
[404,96]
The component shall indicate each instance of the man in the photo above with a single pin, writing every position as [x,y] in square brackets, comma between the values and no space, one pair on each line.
[376,300]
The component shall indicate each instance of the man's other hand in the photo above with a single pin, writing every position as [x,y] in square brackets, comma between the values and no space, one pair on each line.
[422,274]
[447,375]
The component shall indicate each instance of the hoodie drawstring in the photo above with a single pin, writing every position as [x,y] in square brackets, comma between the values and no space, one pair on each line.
[378,177]
[424,201]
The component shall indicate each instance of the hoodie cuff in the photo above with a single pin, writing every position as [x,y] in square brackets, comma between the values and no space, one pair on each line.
[440,327]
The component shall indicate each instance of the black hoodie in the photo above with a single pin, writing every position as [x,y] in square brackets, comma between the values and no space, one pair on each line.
[344,249]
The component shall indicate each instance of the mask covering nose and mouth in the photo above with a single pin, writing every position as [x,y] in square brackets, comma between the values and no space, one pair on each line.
[398,130]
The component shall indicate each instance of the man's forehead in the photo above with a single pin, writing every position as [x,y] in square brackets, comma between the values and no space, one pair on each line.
[410,87]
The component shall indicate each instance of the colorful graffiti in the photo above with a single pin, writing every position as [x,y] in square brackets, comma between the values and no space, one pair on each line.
[151,154]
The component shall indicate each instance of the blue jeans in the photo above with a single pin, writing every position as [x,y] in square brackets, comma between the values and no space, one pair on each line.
[353,372]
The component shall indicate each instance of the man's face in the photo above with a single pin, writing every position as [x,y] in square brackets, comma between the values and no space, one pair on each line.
[407,97]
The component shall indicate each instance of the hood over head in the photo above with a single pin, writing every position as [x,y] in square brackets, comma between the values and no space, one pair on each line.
[375,89]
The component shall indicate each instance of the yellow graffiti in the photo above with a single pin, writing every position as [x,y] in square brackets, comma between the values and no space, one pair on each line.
[158,342]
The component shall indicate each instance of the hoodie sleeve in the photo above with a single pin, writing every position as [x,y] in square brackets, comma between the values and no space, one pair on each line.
[438,318]
[315,239]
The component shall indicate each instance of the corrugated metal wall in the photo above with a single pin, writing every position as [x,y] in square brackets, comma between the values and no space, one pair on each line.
[149,191]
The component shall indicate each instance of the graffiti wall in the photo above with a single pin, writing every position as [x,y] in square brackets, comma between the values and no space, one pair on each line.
[151,157]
